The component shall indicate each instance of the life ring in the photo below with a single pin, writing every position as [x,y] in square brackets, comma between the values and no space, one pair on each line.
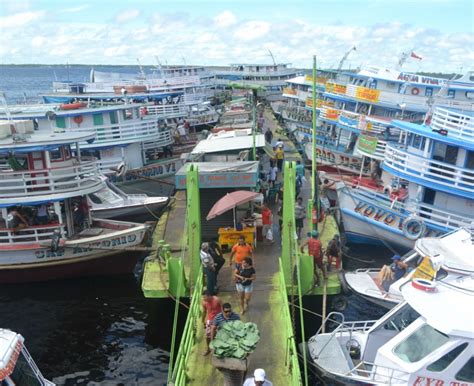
[413,228]
[415,91]
[78,119]
[120,170]
[72,106]
[424,285]
[369,211]
[389,219]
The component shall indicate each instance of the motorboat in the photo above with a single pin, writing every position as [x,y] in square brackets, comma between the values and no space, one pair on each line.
[453,251]
[17,367]
[425,340]
[112,202]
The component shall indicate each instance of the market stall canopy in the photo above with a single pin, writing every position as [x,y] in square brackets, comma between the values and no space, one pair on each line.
[230,201]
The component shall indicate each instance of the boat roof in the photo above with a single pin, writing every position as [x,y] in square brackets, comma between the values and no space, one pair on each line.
[455,250]
[229,141]
[425,131]
[448,308]
[42,141]
[9,342]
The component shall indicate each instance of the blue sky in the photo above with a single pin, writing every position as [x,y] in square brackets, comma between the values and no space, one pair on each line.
[226,31]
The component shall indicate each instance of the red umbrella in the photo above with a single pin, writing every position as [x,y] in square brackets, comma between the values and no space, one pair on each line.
[230,201]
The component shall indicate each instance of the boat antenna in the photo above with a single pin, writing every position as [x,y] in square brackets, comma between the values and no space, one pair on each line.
[344,58]
[273,58]
[159,63]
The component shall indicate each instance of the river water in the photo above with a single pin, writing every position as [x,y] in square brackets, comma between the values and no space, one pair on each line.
[102,331]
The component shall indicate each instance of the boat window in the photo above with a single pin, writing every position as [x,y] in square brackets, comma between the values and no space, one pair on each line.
[429,91]
[23,374]
[466,374]
[419,344]
[402,319]
[447,358]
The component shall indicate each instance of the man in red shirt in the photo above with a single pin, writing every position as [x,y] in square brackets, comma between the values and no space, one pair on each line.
[267,222]
[211,306]
[315,249]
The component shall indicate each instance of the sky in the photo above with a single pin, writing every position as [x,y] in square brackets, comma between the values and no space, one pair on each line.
[221,32]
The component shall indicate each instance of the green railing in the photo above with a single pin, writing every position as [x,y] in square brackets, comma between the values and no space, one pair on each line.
[188,338]
[291,352]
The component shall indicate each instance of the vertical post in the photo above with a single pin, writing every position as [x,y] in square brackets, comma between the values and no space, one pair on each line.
[254,124]
[193,229]
[314,174]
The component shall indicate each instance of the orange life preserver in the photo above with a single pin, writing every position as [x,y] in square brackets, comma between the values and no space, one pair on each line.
[78,119]
[424,285]
[72,106]
[415,91]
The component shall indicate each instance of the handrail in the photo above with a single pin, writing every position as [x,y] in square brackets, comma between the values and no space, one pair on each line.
[440,173]
[458,124]
[188,337]
[31,234]
[292,353]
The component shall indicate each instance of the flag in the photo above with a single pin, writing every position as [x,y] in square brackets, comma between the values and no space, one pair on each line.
[415,56]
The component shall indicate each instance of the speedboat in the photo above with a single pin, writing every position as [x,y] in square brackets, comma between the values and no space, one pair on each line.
[112,202]
[425,340]
[16,364]
[453,251]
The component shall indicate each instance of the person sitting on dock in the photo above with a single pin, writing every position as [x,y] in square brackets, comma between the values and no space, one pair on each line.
[259,379]
[241,250]
[211,306]
[315,249]
[244,275]
[223,317]
[209,268]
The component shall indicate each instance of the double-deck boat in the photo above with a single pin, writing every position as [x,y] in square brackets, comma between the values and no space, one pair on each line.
[429,184]
[425,340]
[453,252]
[17,367]
[46,228]
[126,139]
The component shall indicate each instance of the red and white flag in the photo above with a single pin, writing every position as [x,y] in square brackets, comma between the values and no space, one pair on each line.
[415,56]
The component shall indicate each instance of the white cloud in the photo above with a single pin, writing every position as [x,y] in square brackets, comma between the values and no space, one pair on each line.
[225,19]
[75,9]
[252,30]
[38,41]
[20,19]
[127,15]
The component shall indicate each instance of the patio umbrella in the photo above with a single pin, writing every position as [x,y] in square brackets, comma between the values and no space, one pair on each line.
[230,201]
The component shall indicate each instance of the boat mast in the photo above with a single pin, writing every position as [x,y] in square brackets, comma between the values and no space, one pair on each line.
[314,191]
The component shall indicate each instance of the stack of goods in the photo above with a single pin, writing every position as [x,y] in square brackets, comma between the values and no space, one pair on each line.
[235,340]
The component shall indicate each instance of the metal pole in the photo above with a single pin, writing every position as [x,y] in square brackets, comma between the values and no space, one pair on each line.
[254,125]
[314,174]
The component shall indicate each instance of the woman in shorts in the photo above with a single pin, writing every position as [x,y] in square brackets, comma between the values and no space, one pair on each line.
[244,275]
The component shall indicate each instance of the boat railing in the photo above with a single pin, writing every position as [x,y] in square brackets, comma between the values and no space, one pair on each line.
[30,235]
[436,172]
[108,165]
[428,213]
[127,131]
[378,152]
[38,182]
[168,110]
[386,375]
[458,124]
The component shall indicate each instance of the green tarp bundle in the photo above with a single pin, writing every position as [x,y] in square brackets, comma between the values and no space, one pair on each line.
[235,339]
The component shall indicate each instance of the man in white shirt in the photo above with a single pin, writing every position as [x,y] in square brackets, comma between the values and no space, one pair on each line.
[259,379]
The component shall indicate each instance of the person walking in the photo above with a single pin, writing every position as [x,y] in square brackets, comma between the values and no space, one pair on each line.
[267,223]
[268,136]
[315,249]
[209,268]
[216,253]
[244,275]
[222,318]
[300,214]
[333,252]
[241,250]
[280,156]
[259,379]
[211,306]
[272,175]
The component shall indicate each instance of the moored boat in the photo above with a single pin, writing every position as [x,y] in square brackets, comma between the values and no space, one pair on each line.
[47,231]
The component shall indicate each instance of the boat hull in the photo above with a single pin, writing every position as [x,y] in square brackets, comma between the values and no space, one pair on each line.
[142,210]
[99,264]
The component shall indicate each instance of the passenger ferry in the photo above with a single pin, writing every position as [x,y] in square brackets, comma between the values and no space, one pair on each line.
[17,367]
[453,253]
[429,184]
[425,340]
[126,139]
[46,228]
[272,77]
